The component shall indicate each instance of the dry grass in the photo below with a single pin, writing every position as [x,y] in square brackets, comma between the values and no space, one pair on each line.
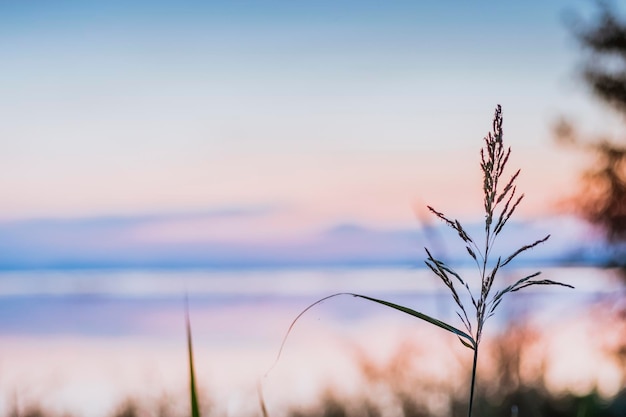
[500,202]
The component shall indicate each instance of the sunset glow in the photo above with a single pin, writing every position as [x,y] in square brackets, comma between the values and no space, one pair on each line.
[238,161]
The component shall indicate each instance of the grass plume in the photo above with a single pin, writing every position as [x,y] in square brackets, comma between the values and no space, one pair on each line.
[500,202]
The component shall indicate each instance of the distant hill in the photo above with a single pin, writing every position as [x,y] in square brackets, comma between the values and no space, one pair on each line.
[139,242]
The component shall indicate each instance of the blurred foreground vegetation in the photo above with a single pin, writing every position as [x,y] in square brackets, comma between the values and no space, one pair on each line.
[524,401]
[401,386]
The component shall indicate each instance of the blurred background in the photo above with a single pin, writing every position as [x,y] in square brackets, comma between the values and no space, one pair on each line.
[260,155]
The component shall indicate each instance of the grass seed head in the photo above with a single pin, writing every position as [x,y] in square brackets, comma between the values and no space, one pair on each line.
[493,160]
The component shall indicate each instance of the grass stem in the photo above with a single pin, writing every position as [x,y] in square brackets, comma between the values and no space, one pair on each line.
[494,157]
[193,391]
[473,385]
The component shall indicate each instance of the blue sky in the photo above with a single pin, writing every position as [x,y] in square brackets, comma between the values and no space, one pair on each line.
[337,112]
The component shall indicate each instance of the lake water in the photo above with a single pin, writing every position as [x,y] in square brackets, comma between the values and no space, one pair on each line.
[82,341]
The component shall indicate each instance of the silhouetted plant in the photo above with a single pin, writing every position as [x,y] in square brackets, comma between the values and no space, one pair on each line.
[499,204]
[500,201]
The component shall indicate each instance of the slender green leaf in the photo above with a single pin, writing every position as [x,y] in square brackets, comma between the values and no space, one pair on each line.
[264,412]
[421,316]
[465,343]
[403,309]
[195,409]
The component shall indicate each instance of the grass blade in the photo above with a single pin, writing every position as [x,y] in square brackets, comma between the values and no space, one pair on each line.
[195,409]
[421,316]
[259,390]
[471,343]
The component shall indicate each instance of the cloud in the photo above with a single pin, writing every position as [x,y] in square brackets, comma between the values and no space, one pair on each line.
[107,240]
[251,237]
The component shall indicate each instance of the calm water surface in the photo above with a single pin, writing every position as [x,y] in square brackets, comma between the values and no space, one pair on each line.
[83,340]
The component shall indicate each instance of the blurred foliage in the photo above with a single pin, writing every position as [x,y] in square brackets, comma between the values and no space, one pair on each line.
[397,387]
[602,199]
[590,405]
[401,385]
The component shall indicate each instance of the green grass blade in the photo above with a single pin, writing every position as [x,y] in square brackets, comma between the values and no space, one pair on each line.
[424,317]
[195,409]
[465,343]
[264,412]
[471,343]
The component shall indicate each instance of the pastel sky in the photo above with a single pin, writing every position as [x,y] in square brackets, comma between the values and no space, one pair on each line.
[330,111]
[225,133]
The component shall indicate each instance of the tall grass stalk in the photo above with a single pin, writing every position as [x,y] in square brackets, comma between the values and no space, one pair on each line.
[500,202]
[193,392]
